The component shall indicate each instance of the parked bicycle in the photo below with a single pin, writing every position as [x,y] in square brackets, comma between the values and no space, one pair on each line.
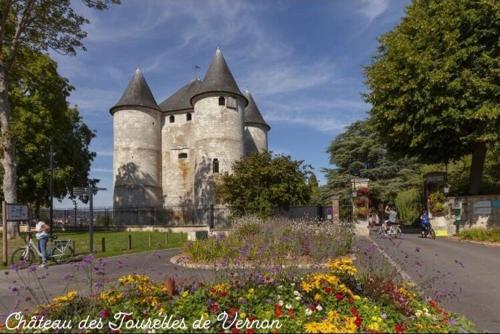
[391,231]
[58,251]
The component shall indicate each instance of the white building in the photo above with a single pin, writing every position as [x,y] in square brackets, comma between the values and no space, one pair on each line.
[169,155]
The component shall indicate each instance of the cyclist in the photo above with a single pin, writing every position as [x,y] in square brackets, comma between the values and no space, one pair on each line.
[425,223]
[392,217]
[42,236]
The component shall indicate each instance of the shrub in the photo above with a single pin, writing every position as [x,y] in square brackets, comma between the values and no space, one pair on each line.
[409,204]
[437,204]
[481,234]
[273,241]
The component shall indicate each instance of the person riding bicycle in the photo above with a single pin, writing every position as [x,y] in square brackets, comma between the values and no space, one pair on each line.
[42,236]
[392,217]
[425,222]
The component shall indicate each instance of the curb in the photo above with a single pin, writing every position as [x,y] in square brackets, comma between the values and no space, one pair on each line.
[484,243]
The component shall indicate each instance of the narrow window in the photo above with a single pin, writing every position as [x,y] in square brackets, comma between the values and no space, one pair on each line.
[215,166]
[182,156]
[172,118]
[188,116]
[222,101]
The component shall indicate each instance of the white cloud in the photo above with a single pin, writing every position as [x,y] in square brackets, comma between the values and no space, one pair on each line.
[371,9]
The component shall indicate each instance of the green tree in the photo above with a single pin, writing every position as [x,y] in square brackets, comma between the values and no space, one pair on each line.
[434,83]
[32,25]
[359,152]
[261,182]
[41,117]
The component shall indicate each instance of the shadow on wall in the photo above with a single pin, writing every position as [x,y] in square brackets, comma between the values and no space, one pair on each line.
[250,146]
[134,188]
[204,184]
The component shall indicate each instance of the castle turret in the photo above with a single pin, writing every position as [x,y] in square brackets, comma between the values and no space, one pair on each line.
[218,127]
[137,146]
[256,128]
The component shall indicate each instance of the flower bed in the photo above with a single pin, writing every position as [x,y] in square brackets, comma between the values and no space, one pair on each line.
[324,302]
[274,241]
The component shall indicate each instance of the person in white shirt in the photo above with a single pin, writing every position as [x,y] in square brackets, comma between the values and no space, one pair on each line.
[42,236]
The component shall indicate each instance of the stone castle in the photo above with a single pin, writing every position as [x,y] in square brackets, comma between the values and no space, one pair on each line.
[169,154]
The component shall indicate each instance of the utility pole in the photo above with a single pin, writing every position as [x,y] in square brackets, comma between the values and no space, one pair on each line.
[91,223]
[51,189]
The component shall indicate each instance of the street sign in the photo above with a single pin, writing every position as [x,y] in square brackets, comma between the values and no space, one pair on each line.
[17,212]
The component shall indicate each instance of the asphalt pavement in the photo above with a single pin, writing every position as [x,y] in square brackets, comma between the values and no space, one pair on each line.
[464,277]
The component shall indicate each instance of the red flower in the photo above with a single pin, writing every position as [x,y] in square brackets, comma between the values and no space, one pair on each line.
[278,310]
[252,318]
[214,308]
[339,296]
[327,289]
[250,331]
[127,317]
[354,311]
[358,321]
[291,313]
[235,330]
[350,300]
[232,311]
[399,329]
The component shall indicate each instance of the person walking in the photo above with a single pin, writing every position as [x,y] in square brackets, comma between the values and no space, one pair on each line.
[42,236]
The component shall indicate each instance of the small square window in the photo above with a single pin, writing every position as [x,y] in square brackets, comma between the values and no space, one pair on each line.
[188,116]
[172,118]
[222,101]
[182,156]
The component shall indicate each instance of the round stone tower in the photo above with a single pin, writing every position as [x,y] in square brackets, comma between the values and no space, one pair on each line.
[218,128]
[137,147]
[256,128]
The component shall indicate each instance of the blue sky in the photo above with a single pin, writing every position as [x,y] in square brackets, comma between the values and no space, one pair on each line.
[302,60]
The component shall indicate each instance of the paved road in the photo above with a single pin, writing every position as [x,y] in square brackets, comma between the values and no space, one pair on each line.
[465,277]
[73,276]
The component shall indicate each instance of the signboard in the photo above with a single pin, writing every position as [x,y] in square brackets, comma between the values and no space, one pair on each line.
[482,208]
[329,213]
[495,203]
[17,212]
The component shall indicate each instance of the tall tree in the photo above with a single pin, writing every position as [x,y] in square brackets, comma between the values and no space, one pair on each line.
[359,152]
[261,182]
[434,83]
[32,25]
[41,117]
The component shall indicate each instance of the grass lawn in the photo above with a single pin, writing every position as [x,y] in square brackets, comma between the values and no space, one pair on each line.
[480,234]
[116,242]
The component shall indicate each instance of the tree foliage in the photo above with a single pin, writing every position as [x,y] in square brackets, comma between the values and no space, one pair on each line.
[41,117]
[359,152]
[261,182]
[434,82]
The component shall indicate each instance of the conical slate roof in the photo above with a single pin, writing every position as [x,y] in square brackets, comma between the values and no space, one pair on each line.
[137,94]
[181,99]
[252,112]
[219,78]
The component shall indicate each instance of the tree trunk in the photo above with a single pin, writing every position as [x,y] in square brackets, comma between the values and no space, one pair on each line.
[477,167]
[8,161]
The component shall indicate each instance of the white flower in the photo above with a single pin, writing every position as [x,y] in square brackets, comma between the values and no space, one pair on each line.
[288,306]
[292,284]
[280,287]
[280,303]
[308,311]
[418,313]
[295,292]
[298,298]
[319,307]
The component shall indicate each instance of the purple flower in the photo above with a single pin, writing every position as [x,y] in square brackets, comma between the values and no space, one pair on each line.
[32,268]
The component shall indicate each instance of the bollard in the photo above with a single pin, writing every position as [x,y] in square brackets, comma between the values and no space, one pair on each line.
[73,246]
[103,244]
[166,238]
[149,239]
[129,241]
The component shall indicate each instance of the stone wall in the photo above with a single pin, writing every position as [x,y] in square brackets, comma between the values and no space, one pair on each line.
[136,158]
[218,134]
[480,211]
[177,159]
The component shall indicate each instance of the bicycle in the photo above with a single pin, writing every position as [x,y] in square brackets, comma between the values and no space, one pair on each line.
[59,252]
[392,231]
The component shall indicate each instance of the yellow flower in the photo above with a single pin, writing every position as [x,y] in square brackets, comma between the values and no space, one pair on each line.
[374,326]
[185,293]
[66,298]
[317,297]
[333,316]
[320,327]
[243,315]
